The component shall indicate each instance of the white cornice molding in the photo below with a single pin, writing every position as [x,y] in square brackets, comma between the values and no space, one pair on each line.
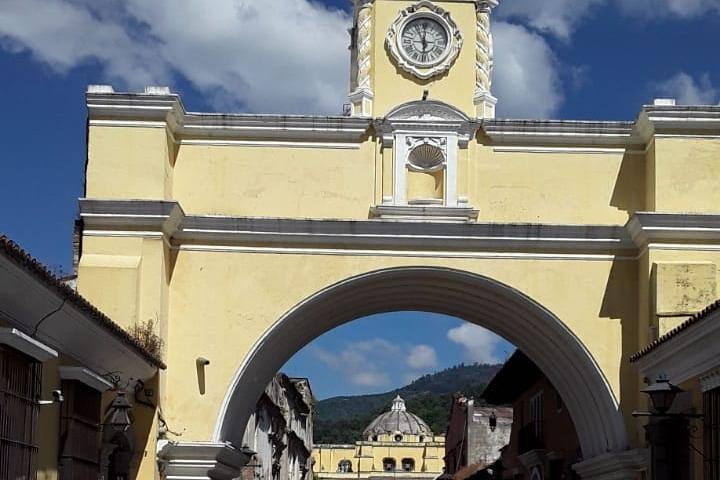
[648,227]
[425,226]
[686,355]
[426,117]
[560,132]
[672,120]
[162,217]
[168,111]
[86,377]
[21,342]
[111,217]
[433,213]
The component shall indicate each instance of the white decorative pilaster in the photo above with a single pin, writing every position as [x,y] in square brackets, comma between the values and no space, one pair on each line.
[362,95]
[451,173]
[400,171]
[483,99]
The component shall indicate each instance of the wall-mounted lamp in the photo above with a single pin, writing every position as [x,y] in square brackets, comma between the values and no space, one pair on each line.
[58,397]
[118,416]
[662,395]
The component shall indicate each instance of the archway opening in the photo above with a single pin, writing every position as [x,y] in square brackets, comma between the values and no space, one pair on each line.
[477,299]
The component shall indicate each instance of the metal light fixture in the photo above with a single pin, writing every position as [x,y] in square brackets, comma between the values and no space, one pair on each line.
[662,394]
[492,422]
[118,417]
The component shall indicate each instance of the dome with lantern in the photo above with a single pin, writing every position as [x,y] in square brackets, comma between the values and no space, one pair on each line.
[398,421]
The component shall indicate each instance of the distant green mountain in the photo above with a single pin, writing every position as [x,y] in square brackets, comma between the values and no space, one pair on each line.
[342,419]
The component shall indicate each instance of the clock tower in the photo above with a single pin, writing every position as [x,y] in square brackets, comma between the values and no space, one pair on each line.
[407,50]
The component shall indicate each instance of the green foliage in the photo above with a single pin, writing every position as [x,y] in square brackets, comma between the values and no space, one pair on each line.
[343,419]
[144,334]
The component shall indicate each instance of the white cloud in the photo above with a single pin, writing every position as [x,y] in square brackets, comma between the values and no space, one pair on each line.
[259,55]
[526,79]
[362,363]
[557,17]
[688,91]
[479,344]
[421,357]
[377,362]
[371,379]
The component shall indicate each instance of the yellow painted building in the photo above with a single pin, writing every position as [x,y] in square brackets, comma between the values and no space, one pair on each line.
[397,444]
[247,236]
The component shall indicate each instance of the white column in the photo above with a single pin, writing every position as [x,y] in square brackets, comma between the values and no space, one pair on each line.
[451,171]
[400,171]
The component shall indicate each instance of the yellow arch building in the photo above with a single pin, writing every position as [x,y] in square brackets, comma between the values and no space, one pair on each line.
[397,444]
[247,236]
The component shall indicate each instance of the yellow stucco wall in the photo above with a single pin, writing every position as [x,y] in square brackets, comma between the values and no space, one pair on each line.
[686,173]
[204,317]
[259,181]
[201,300]
[367,457]
[129,162]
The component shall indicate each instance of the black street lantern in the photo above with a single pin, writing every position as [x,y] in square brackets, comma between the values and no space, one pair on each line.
[118,417]
[493,422]
[662,394]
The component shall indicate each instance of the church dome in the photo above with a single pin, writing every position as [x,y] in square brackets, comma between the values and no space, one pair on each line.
[398,420]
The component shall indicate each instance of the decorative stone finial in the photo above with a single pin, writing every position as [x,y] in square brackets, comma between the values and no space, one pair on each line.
[398,404]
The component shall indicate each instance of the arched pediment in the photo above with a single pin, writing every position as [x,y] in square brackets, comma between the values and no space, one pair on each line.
[428,110]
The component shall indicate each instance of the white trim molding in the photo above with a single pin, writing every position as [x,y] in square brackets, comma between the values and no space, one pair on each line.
[86,377]
[647,228]
[201,461]
[168,111]
[424,212]
[674,120]
[140,217]
[561,133]
[16,339]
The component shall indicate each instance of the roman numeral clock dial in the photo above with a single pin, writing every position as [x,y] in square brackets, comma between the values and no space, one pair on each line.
[424,40]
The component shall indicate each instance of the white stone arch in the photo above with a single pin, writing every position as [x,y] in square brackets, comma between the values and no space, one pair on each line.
[474,298]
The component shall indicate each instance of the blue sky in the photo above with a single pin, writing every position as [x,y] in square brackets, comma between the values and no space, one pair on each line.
[381,352]
[570,59]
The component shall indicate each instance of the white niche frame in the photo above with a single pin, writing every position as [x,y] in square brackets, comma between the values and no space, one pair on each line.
[405,128]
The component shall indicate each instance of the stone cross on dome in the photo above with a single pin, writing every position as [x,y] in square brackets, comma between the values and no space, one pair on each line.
[398,404]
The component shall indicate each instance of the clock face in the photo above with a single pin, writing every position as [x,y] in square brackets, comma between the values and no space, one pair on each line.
[424,41]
